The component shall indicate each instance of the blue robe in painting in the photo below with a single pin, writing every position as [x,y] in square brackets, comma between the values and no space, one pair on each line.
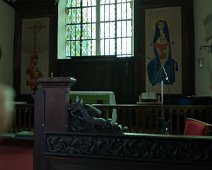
[154,68]
[156,73]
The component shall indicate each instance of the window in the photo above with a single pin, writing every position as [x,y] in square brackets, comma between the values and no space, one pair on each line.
[98,28]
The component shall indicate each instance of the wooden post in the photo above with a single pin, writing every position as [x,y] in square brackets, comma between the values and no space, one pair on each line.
[51,113]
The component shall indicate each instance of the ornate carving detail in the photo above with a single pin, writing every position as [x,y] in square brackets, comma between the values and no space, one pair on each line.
[130,148]
[86,118]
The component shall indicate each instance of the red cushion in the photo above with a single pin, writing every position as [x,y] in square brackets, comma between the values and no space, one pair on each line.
[193,127]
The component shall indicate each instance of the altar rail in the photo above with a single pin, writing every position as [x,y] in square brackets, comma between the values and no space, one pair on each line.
[146,118]
[23,118]
[138,118]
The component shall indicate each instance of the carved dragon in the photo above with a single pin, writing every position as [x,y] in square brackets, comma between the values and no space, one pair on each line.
[86,118]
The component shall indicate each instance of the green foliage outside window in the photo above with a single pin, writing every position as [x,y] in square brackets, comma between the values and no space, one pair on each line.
[98,27]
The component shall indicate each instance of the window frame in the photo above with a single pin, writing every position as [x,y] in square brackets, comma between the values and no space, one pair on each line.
[62,31]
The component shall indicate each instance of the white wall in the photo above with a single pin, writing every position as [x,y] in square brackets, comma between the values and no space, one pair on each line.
[203,76]
[7,17]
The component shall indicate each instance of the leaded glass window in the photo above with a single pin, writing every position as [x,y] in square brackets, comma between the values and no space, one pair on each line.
[98,27]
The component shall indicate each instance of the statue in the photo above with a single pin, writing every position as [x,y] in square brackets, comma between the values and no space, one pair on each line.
[86,118]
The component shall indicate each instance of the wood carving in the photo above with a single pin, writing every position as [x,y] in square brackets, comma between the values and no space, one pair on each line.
[128,147]
[86,118]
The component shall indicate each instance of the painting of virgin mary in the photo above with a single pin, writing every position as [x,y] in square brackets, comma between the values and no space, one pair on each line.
[162,66]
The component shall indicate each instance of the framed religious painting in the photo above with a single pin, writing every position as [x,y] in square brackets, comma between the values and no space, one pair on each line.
[34,53]
[163,50]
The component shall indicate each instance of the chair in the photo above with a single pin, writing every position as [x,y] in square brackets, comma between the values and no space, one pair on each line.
[196,127]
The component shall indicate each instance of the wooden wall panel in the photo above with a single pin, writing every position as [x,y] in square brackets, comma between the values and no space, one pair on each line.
[101,74]
[126,77]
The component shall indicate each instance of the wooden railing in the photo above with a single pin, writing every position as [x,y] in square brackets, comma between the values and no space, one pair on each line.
[138,118]
[22,119]
[146,118]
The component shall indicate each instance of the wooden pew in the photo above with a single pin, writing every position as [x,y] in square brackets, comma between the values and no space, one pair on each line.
[62,142]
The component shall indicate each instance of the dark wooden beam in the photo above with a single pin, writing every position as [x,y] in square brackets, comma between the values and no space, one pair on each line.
[10,2]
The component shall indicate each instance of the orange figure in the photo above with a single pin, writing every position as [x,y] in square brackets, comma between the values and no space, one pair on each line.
[33,72]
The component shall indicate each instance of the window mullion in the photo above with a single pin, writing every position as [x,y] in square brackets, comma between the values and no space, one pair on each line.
[109,25]
[121,30]
[81,27]
[116,28]
[98,51]
[91,41]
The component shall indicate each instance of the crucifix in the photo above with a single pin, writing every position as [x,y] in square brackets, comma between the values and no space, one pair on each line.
[32,70]
[37,26]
